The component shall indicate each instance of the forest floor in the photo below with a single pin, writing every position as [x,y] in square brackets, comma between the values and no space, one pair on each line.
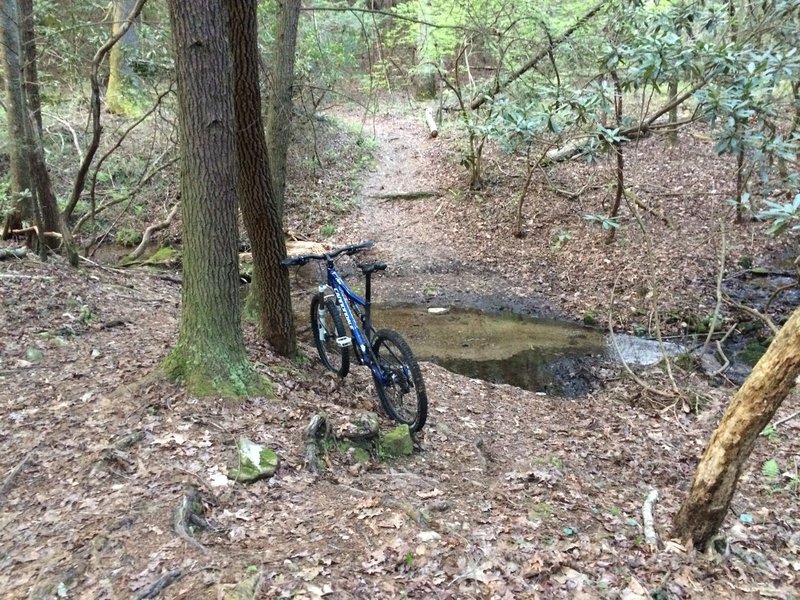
[511,494]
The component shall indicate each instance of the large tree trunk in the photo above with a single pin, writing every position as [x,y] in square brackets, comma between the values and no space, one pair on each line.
[270,287]
[751,410]
[16,117]
[122,81]
[210,355]
[279,115]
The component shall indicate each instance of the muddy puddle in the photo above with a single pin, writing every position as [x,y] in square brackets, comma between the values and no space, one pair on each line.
[534,354]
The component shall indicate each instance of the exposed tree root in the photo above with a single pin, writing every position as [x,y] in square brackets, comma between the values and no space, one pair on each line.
[188,514]
[148,234]
[9,480]
[316,429]
[160,584]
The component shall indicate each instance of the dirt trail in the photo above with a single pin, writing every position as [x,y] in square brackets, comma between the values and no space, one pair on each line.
[402,207]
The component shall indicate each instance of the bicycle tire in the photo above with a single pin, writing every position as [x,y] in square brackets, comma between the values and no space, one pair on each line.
[394,355]
[335,358]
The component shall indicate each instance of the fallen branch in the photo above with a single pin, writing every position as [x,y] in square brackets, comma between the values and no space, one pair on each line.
[13,253]
[316,429]
[34,229]
[148,234]
[188,513]
[160,584]
[405,195]
[8,482]
[431,121]
[650,537]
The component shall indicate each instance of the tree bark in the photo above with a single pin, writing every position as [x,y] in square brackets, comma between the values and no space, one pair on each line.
[279,115]
[122,81]
[30,71]
[751,410]
[269,291]
[209,356]
[16,117]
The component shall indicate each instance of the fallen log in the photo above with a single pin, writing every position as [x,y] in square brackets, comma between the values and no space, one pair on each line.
[431,121]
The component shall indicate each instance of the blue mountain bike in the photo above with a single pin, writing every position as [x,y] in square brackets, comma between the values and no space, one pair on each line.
[341,324]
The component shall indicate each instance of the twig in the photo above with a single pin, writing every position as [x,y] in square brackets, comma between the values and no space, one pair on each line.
[722,354]
[8,482]
[650,536]
[720,273]
[160,584]
[625,364]
[753,313]
[784,419]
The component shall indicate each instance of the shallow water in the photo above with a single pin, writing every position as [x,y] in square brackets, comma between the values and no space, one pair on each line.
[534,354]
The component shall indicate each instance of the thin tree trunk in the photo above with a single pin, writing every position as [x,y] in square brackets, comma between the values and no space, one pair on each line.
[752,408]
[22,208]
[209,356]
[30,71]
[279,115]
[620,170]
[122,81]
[673,112]
[269,291]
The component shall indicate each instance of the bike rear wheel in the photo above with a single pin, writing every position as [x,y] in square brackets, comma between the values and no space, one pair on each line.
[327,327]
[402,391]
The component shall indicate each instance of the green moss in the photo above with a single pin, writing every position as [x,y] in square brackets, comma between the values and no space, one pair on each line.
[397,442]
[164,255]
[361,455]
[199,375]
[752,353]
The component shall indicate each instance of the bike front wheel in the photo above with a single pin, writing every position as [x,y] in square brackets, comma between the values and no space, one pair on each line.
[327,327]
[400,389]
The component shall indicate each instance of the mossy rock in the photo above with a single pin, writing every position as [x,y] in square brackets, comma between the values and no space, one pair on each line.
[165,256]
[397,442]
[254,462]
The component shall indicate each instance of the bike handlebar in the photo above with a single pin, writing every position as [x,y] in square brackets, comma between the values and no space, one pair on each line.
[291,261]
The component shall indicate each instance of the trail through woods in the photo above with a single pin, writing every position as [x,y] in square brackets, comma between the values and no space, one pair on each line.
[512,494]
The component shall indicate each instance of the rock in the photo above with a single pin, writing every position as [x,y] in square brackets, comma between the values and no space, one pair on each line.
[439,310]
[428,536]
[398,442]
[255,462]
[362,426]
[34,355]
[309,272]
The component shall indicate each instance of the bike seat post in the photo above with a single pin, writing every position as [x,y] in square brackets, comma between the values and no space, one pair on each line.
[368,294]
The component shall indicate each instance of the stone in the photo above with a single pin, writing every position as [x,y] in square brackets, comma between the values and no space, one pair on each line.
[398,442]
[362,426]
[255,462]
[34,355]
[439,310]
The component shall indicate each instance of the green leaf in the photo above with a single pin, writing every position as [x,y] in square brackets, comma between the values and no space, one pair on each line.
[745,518]
[770,469]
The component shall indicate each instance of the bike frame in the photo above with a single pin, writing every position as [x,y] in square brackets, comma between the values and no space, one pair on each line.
[344,295]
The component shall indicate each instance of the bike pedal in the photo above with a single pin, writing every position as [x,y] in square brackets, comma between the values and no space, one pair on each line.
[344,342]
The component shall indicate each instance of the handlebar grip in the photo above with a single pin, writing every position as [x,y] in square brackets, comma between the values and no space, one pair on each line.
[291,261]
